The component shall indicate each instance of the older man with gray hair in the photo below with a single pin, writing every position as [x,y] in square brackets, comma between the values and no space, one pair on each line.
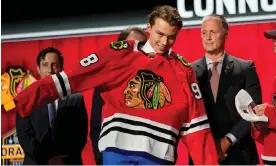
[221,76]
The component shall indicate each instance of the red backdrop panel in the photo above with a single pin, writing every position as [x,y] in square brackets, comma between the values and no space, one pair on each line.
[244,41]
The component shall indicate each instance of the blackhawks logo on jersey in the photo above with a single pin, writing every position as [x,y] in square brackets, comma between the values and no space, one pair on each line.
[146,90]
[119,45]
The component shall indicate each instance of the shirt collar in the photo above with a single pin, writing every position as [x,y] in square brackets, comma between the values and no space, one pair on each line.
[147,48]
[209,61]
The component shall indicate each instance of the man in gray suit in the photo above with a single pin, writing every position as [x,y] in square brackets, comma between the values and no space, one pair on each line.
[220,78]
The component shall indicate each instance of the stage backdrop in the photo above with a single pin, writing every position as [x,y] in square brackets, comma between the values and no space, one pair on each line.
[245,41]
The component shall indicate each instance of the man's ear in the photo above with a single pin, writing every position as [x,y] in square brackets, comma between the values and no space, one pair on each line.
[148,27]
[226,35]
[37,68]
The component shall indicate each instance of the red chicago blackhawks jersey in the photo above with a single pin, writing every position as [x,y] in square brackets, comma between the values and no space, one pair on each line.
[150,100]
[267,137]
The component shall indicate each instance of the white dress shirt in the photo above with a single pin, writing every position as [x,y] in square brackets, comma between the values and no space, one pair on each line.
[56,109]
[209,63]
[56,104]
[147,48]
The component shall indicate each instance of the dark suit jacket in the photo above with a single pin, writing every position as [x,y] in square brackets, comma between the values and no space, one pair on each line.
[95,124]
[236,74]
[40,144]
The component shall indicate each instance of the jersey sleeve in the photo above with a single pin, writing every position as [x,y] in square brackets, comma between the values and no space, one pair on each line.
[195,130]
[106,67]
[257,135]
[270,112]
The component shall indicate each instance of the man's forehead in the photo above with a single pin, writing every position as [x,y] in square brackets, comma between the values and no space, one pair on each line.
[211,23]
[167,30]
[50,56]
[51,59]
[211,20]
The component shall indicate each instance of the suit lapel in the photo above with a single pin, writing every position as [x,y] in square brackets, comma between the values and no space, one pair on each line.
[45,115]
[42,121]
[225,75]
[203,78]
[61,105]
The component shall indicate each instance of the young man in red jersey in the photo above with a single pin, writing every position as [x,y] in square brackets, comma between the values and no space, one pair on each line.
[265,133]
[150,92]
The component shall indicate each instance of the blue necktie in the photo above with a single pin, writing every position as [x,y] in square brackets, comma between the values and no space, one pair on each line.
[52,114]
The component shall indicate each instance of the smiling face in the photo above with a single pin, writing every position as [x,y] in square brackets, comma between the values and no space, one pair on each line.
[132,93]
[162,35]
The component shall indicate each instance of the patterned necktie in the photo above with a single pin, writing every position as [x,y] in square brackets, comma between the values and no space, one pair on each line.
[52,114]
[214,80]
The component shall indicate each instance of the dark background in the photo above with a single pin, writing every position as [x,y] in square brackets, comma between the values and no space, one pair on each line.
[14,11]
[21,10]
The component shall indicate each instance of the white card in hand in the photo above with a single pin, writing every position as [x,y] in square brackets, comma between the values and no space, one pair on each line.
[244,103]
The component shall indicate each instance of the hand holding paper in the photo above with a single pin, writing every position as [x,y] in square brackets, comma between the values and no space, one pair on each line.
[245,107]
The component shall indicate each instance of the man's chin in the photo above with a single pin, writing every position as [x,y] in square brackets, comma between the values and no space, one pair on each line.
[209,49]
[162,51]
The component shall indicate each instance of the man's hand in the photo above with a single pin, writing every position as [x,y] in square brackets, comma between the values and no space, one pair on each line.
[56,160]
[225,144]
[259,109]
[221,155]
